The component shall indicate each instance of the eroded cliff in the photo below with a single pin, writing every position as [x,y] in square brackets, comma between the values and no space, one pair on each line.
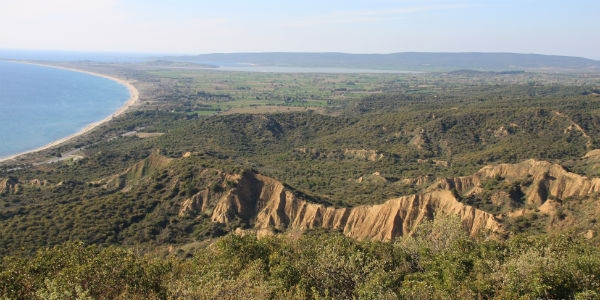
[539,182]
[268,204]
[523,188]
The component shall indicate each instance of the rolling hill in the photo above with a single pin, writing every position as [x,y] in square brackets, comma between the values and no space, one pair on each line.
[468,184]
[408,61]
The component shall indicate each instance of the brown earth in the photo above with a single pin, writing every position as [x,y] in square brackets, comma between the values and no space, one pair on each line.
[268,204]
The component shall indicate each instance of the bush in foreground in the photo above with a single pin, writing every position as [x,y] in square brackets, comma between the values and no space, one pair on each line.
[438,262]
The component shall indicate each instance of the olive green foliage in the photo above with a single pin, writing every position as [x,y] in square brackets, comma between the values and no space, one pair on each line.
[99,213]
[439,262]
[415,125]
[76,271]
[337,139]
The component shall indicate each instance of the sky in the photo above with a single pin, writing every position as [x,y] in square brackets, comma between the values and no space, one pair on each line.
[361,26]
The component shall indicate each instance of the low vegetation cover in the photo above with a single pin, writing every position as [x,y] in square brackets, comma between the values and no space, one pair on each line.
[438,262]
[134,214]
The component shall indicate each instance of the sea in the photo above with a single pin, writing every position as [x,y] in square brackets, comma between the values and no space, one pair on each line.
[39,105]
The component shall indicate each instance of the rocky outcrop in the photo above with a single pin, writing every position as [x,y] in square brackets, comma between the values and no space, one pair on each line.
[243,202]
[9,186]
[195,204]
[37,182]
[394,218]
[539,181]
[418,181]
[268,204]
[363,154]
[372,178]
[356,154]
[418,140]
[12,185]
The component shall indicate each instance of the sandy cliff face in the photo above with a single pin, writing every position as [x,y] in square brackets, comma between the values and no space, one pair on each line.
[267,203]
[8,186]
[12,185]
[385,221]
[529,187]
[363,154]
[195,204]
[540,181]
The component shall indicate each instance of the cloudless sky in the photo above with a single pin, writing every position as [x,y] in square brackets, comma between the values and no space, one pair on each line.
[568,27]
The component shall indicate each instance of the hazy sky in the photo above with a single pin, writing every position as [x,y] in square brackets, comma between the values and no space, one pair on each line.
[568,27]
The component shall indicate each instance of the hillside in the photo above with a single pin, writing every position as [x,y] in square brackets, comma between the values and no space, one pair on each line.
[438,231]
[159,193]
[379,156]
[478,184]
[408,61]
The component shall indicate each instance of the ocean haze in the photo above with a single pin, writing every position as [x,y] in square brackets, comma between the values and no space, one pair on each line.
[50,55]
[404,61]
[44,104]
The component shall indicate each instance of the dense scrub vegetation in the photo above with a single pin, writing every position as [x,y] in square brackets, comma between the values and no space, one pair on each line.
[97,225]
[439,262]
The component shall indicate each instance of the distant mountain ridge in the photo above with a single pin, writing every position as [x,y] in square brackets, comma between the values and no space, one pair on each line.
[412,61]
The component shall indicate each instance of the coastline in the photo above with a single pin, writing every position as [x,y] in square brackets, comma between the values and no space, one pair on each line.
[133,99]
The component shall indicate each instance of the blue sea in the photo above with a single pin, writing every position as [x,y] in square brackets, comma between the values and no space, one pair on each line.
[39,105]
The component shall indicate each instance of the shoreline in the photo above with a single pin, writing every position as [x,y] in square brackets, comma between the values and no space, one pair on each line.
[133,99]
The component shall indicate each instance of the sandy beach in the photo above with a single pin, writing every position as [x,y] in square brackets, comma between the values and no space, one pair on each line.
[133,99]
